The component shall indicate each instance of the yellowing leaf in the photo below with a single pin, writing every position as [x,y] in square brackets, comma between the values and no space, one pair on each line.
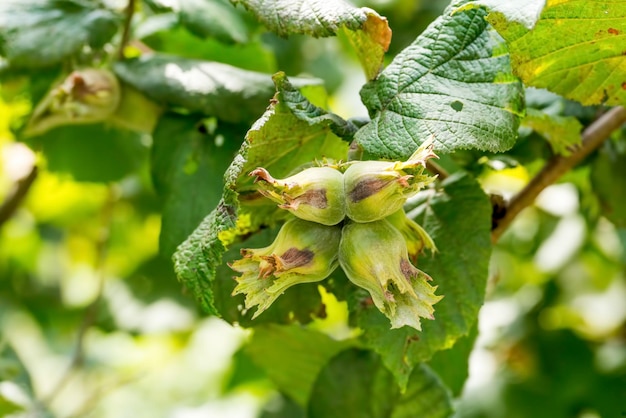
[577,49]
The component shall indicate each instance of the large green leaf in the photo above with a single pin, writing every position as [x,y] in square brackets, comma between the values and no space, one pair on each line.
[355,384]
[290,133]
[228,93]
[94,153]
[368,32]
[38,33]
[576,49]
[452,365]
[454,84]
[213,18]
[459,269]
[292,356]
[188,162]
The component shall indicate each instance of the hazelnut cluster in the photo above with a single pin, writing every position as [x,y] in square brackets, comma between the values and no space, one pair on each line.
[349,215]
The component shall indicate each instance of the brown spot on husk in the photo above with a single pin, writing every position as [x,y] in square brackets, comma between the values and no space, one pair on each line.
[366,188]
[294,257]
[316,198]
[407,269]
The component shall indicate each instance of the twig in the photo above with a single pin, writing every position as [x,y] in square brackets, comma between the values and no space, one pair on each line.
[435,168]
[91,311]
[592,138]
[17,195]
[130,12]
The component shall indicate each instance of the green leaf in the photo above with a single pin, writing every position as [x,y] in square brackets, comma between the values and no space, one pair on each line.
[355,384]
[452,365]
[292,356]
[94,153]
[368,32]
[370,43]
[459,269]
[290,133]
[196,259]
[453,83]
[244,372]
[561,132]
[574,50]
[286,409]
[213,18]
[39,33]
[228,93]
[608,174]
[525,12]
[162,33]
[188,162]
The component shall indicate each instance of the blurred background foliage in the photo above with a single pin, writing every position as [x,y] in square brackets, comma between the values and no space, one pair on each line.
[93,322]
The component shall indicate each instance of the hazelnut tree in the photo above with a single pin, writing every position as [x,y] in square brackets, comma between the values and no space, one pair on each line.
[273,207]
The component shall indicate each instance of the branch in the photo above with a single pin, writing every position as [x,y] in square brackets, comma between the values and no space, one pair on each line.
[435,168]
[17,195]
[592,138]
[130,12]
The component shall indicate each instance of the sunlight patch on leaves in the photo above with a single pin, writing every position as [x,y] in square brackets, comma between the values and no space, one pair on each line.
[212,88]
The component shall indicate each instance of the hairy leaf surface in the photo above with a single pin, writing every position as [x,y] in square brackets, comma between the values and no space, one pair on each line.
[453,84]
